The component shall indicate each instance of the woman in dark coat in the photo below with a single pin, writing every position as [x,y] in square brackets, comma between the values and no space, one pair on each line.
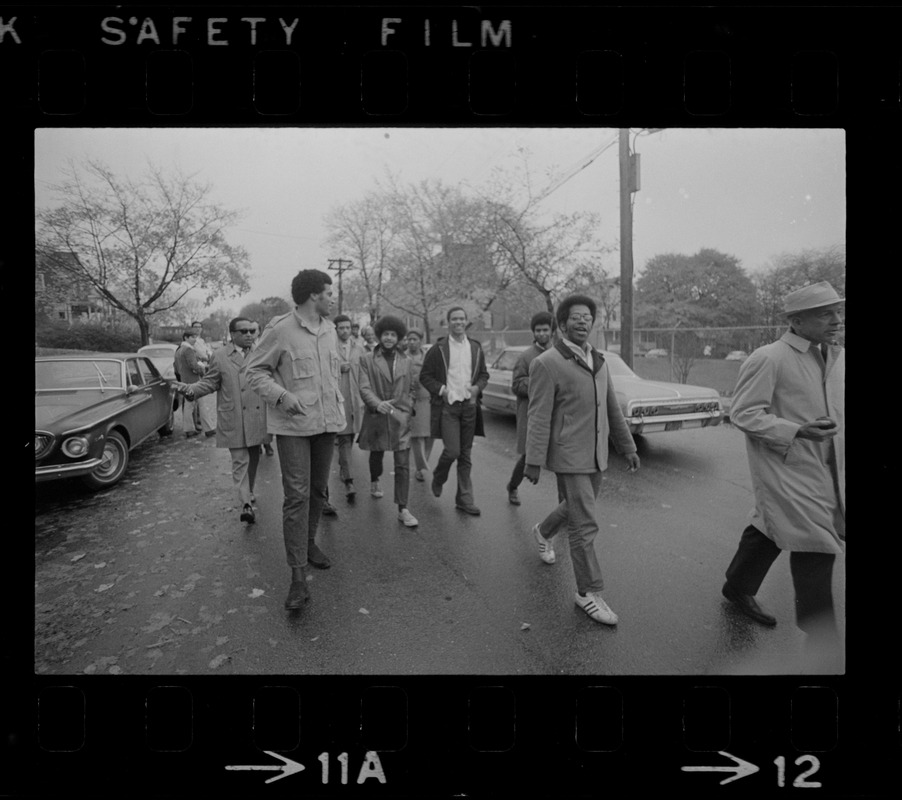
[387,389]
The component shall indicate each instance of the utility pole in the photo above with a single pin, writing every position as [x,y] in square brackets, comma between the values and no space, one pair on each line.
[626,250]
[340,269]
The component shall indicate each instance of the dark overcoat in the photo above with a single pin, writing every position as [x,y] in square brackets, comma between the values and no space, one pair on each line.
[378,382]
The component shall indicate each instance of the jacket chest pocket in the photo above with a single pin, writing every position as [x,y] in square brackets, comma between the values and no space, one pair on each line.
[335,365]
[303,375]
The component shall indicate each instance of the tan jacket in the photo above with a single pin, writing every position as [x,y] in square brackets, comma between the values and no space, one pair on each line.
[799,484]
[572,412]
[290,357]
[240,412]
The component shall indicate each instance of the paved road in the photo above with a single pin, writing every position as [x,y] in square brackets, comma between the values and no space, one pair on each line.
[158,576]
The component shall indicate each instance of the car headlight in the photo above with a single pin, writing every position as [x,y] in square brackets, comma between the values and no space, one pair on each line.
[75,446]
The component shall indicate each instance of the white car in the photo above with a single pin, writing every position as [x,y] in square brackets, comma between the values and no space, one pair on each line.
[736,355]
[658,352]
[648,406]
[163,357]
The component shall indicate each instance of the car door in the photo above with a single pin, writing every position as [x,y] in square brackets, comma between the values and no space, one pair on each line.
[143,410]
[159,387]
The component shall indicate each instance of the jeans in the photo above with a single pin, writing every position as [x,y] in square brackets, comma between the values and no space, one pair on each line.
[577,512]
[402,473]
[458,430]
[244,470]
[812,575]
[305,463]
[422,449]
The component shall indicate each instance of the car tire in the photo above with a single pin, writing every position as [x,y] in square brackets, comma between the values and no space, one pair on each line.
[113,465]
[169,427]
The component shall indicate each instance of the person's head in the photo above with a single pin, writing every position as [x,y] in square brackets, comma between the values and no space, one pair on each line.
[369,334]
[241,330]
[190,336]
[313,286]
[457,321]
[541,325]
[575,318]
[814,312]
[198,327]
[414,341]
[355,329]
[343,327]
[389,331]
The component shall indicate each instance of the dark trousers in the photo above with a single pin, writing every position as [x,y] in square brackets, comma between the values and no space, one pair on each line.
[402,473]
[812,575]
[305,463]
[517,474]
[458,430]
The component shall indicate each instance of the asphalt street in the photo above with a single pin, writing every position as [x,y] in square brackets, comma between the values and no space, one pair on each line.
[159,576]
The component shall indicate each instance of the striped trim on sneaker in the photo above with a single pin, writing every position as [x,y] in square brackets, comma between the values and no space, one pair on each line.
[546,549]
[596,608]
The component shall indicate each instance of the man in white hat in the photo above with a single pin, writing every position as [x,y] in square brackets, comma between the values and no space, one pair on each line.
[789,403]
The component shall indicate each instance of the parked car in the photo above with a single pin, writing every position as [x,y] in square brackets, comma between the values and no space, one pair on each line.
[163,357]
[91,410]
[657,352]
[648,406]
[736,355]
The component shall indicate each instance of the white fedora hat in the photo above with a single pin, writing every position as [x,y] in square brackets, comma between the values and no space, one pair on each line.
[814,295]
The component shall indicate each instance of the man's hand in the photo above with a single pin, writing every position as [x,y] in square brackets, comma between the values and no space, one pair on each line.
[632,460]
[532,472]
[385,407]
[291,405]
[820,430]
[474,392]
[345,367]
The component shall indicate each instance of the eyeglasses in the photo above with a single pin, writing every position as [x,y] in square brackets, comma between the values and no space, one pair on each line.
[244,330]
[580,318]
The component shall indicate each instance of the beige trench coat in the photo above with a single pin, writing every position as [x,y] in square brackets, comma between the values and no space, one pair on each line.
[384,432]
[799,484]
[240,412]
[350,387]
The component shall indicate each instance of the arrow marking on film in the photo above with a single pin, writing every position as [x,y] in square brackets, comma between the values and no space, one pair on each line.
[741,768]
[288,768]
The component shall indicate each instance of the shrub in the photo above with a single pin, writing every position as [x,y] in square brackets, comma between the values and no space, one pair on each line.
[87,336]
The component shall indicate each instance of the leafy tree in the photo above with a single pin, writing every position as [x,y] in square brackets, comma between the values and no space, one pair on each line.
[265,310]
[708,289]
[791,271]
[142,244]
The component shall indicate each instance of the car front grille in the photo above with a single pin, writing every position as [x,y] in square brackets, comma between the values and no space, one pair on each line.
[667,409]
[42,444]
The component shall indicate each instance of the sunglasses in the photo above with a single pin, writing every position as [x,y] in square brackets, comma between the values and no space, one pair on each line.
[244,330]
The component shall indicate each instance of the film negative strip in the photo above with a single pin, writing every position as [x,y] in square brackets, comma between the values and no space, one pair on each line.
[421,670]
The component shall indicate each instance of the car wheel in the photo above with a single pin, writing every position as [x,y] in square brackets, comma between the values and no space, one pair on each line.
[168,428]
[113,464]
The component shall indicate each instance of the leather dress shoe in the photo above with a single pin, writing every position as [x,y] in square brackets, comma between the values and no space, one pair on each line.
[316,557]
[328,511]
[247,514]
[468,509]
[268,449]
[748,605]
[298,594]
[436,488]
[512,497]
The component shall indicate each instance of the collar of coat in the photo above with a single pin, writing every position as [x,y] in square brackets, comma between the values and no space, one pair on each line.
[566,352]
[800,343]
[382,365]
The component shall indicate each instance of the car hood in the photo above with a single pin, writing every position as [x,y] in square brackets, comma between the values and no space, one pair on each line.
[67,410]
[636,389]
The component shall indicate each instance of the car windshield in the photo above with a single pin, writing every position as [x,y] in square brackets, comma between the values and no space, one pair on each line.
[508,359]
[157,352]
[81,374]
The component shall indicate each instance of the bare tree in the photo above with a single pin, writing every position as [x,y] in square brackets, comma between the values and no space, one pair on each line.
[364,231]
[142,244]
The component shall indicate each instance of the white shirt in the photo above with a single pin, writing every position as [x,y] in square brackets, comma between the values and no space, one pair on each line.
[460,369]
[586,355]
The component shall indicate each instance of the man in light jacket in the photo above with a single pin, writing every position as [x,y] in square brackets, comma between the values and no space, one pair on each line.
[572,412]
[296,369]
[240,412]
[789,402]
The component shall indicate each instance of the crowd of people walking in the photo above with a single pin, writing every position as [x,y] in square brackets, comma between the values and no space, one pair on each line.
[320,385]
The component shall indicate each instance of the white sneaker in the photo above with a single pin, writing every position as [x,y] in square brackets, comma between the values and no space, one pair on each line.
[546,549]
[596,608]
[407,518]
[375,491]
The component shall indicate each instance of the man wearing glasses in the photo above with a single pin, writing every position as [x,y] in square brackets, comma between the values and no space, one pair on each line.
[240,412]
[572,412]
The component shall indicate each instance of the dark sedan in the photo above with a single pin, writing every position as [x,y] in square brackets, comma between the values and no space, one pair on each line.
[91,410]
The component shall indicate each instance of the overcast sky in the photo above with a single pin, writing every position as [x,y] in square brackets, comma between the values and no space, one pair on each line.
[752,193]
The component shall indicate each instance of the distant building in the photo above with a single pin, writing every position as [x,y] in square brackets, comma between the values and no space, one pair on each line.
[60,295]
